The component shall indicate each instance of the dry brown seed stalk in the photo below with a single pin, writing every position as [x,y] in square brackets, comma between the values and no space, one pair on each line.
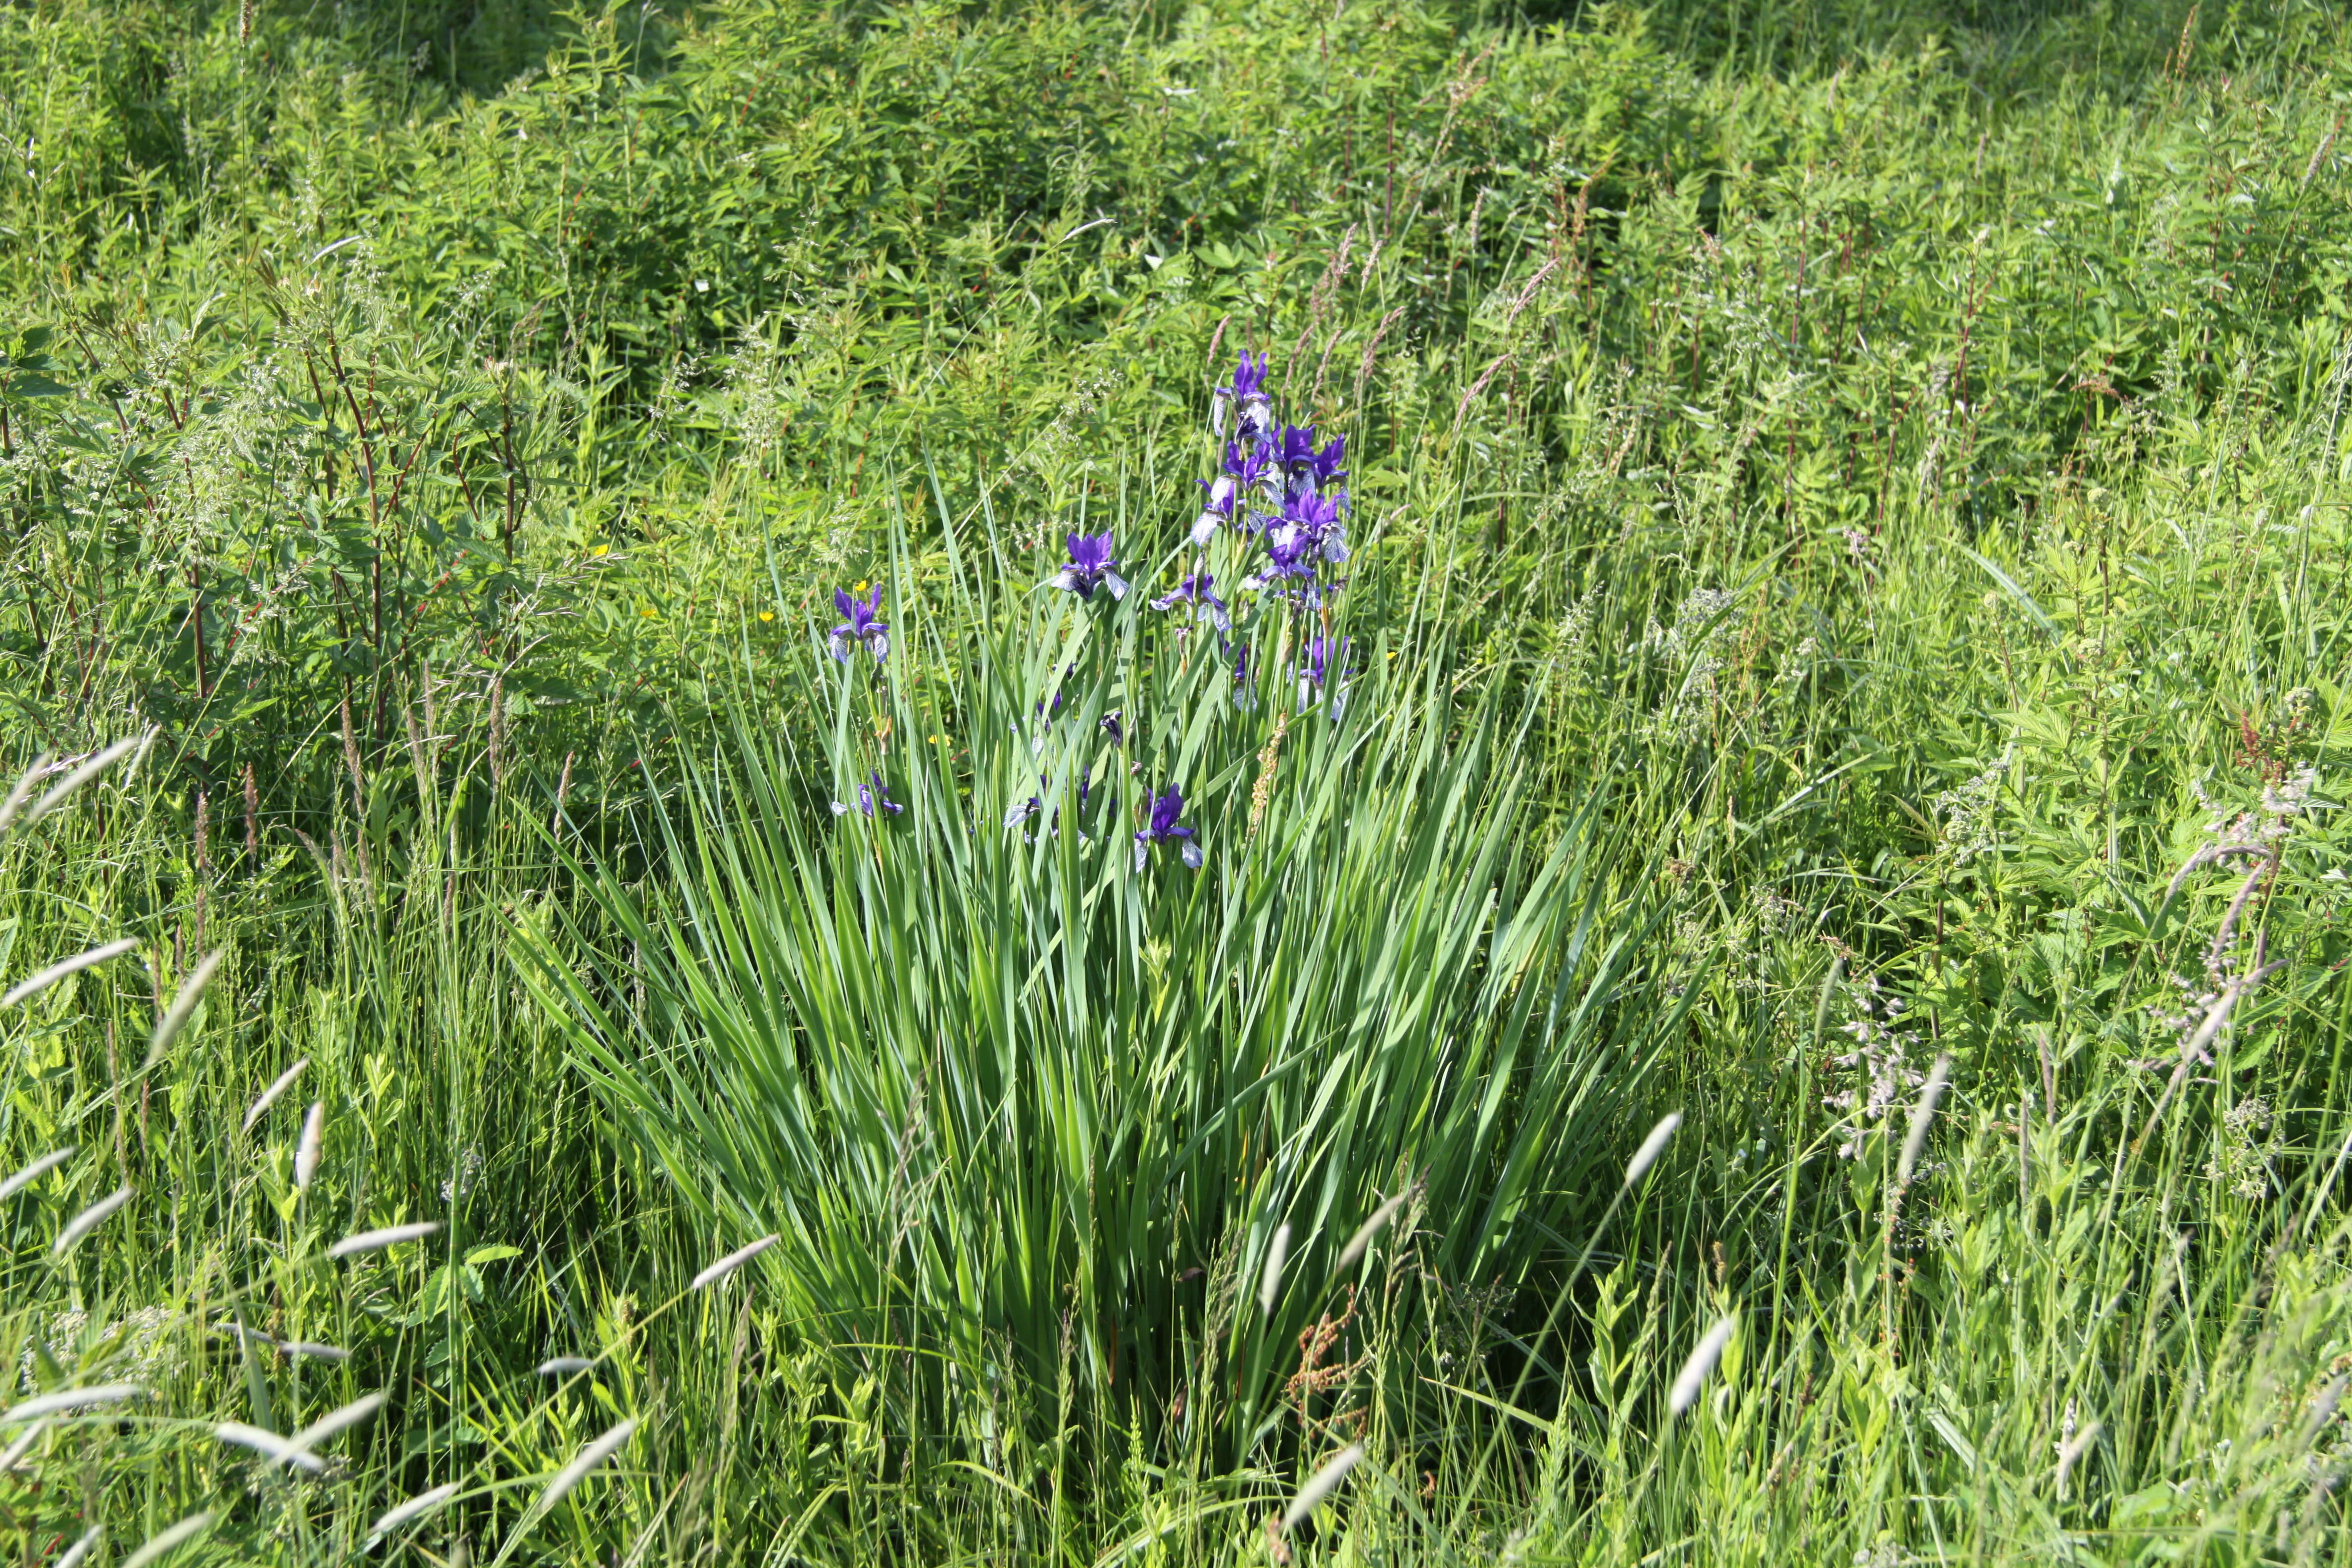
[1263,791]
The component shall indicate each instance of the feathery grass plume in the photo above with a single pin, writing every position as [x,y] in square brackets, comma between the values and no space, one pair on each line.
[277,1450]
[314,1138]
[183,1008]
[1921,1115]
[268,1097]
[1322,1484]
[1652,1147]
[36,1171]
[89,1219]
[22,791]
[305,1349]
[2073,1449]
[564,1365]
[84,774]
[1269,1284]
[80,1549]
[35,984]
[732,1261]
[163,1542]
[1703,1357]
[415,1509]
[340,1419]
[1362,1241]
[66,1400]
[11,1455]
[593,1455]
[390,1236]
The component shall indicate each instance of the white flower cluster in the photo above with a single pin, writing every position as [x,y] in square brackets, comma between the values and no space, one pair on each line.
[134,1347]
[1882,1054]
[1967,810]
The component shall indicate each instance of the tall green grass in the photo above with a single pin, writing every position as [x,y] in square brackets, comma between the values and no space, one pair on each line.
[1857,509]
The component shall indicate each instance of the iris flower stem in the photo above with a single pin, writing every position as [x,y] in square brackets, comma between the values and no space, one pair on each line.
[1281,660]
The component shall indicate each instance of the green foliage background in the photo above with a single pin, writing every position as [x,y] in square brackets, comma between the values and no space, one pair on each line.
[1886,460]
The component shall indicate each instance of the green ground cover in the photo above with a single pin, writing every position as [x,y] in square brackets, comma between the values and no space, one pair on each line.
[1846,639]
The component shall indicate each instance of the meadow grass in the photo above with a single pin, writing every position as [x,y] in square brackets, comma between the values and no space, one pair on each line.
[1795,1013]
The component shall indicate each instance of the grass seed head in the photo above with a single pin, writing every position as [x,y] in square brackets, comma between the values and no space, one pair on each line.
[1360,1243]
[66,1401]
[377,1240]
[277,1450]
[1703,1357]
[314,1138]
[35,985]
[1322,1484]
[415,1509]
[1269,1284]
[89,1219]
[1922,1115]
[163,1542]
[183,1008]
[593,1455]
[36,1171]
[732,1261]
[1652,1147]
[268,1097]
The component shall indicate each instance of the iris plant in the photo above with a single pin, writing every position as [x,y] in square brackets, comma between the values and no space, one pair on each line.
[1308,532]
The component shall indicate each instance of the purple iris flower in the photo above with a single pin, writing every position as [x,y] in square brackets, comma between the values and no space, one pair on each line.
[1297,451]
[1216,512]
[1165,809]
[1247,394]
[1289,559]
[1326,667]
[860,625]
[1244,697]
[1194,591]
[1326,463]
[1025,810]
[1317,517]
[1113,724]
[1244,471]
[1308,536]
[872,797]
[1033,804]
[1090,567]
[1309,531]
